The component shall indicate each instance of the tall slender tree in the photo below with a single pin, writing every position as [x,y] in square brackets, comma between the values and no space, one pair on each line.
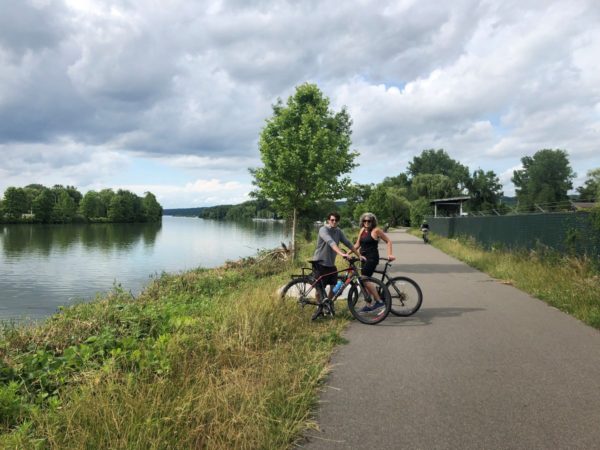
[305,149]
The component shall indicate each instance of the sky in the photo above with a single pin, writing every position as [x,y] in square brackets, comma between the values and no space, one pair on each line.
[170,96]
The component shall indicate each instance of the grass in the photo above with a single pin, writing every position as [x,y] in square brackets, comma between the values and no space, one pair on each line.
[203,359]
[568,283]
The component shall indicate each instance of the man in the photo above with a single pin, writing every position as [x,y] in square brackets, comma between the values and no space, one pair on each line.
[327,249]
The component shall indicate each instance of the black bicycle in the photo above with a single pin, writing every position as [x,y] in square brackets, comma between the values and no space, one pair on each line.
[406,294]
[363,303]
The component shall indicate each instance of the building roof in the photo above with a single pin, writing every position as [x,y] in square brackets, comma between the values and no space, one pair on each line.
[450,199]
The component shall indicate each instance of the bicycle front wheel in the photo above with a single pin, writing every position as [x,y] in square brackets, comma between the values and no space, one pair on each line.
[363,302]
[406,296]
[301,290]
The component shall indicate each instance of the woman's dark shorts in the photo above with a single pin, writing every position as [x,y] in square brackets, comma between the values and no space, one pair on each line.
[322,270]
[368,267]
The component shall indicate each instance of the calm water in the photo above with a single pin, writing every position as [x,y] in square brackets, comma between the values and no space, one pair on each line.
[46,266]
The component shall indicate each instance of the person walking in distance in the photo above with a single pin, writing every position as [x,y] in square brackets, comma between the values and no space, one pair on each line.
[368,243]
[327,249]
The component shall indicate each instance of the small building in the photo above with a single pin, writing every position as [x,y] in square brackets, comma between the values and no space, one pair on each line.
[449,207]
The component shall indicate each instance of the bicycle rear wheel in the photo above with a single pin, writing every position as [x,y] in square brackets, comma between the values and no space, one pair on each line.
[406,296]
[364,306]
[301,290]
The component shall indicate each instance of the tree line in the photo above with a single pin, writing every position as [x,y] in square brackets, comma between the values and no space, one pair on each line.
[36,203]
[306,156]
[260,208]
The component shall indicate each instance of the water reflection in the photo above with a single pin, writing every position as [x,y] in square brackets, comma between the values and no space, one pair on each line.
[42,239]
[45,266]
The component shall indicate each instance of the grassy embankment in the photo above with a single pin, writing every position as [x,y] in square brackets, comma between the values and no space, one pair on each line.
[203,359]
[565,282]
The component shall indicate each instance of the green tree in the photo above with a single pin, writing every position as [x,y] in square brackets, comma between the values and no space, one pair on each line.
[16,202]
[439,162]
[431,186]
[43,205]
[91,206]
[151,209]
[544,180]
[305,149]
[419,210]
[590,191]
[485,191]
[106,196]
[389,204]
[64,209]
[125,206]
[356,195]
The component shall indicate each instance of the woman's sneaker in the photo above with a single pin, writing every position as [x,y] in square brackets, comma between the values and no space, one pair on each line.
[373,307]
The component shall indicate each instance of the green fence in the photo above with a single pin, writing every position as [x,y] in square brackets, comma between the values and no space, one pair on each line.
[571,232]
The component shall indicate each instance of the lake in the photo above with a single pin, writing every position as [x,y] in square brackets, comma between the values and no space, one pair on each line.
[45,266]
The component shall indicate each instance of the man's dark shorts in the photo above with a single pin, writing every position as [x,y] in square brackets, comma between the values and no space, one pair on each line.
[323,270]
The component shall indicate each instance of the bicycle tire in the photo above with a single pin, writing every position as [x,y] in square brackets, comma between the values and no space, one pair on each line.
[301,291]
[359,300]
[406,296]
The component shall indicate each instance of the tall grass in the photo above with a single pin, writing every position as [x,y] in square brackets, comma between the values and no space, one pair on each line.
[204,359]
[568,283]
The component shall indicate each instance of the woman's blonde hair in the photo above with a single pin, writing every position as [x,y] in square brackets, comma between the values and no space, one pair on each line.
[370,216]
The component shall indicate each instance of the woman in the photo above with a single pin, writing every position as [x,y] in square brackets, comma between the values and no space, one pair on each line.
[368,242]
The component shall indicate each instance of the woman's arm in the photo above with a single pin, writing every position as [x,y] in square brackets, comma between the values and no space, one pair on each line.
[388,241]
[357,245]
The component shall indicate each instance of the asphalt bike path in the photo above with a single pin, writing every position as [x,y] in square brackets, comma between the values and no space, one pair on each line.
[481,365]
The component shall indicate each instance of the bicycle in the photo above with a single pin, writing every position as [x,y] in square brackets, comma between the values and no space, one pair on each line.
[425,235]
[406,295]
[305,289]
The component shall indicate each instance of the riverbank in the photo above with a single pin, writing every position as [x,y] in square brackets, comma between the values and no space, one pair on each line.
[568,283]
[206,358]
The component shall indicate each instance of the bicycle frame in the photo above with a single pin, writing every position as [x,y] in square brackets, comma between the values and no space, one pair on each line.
[384,276]
[351,273]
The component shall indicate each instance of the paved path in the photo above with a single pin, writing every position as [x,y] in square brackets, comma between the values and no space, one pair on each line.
[481,366]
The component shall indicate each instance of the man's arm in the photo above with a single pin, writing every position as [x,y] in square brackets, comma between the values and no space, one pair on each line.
[349,244]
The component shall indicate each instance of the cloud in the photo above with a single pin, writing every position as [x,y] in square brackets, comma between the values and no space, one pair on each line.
[197,193]
[190,84]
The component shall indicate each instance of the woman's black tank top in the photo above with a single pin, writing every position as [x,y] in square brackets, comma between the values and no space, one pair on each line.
[368,245]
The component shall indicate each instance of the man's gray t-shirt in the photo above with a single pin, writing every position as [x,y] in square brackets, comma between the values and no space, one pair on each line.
[328,236]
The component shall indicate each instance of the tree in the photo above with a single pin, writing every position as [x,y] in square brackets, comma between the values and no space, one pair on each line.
[544,179]
[125,206]
[151,209]
[419,210]
[485,190]
[389,204]
[432,186]
[106,196]
[305,149]
[64,209]
[91,205]
[16,202]
[590,191]
[356,195]
[439,162]
[42,205]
